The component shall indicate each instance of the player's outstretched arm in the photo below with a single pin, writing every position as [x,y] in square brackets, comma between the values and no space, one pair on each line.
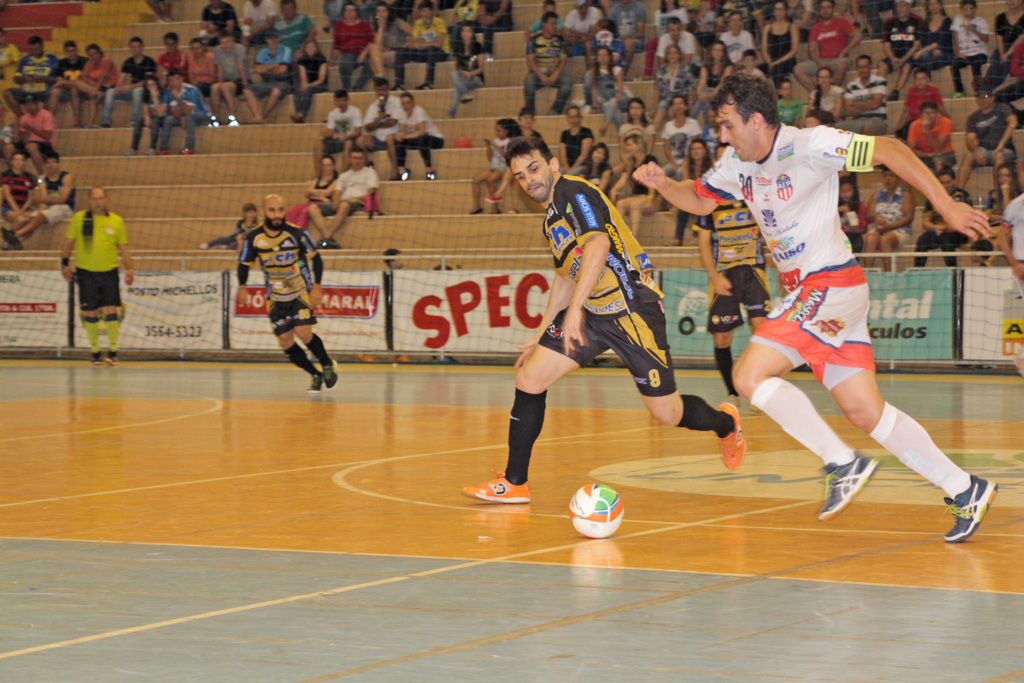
[905,164]
[681,195]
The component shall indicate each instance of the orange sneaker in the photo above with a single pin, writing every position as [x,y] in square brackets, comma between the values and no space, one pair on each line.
[499,490]
[734,446]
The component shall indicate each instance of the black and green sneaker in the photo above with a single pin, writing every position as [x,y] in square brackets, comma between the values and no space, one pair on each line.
[331,375]
[314,386]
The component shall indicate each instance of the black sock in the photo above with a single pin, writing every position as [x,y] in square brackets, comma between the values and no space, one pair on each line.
[297,355]
[723,359]
[524,427]
[700,417]
[316,345]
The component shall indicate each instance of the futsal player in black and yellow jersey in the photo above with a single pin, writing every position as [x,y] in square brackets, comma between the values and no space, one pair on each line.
[283,251]
[603,297]
[96,237]
[732,253]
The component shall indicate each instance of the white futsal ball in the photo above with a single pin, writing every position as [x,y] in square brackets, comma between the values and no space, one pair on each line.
[596,511]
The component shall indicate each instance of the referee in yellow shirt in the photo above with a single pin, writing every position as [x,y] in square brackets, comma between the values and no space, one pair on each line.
[97,236]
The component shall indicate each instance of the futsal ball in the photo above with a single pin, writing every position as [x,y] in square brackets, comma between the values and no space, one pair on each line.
[596,511]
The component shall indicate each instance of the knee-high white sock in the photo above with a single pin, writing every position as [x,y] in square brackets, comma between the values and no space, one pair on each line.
[902,436]
[794,412]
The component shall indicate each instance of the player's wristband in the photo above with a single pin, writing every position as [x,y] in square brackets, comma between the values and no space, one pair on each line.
[65,262]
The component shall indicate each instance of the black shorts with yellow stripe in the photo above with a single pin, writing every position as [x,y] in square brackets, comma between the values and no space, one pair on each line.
[639,339]
[750,288]
[287,315]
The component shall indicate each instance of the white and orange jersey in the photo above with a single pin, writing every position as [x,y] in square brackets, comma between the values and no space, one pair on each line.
[793,193]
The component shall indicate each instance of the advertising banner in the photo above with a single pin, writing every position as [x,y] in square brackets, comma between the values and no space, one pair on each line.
[168,311]
[993,314]
[33,308]
[467,310]
[350,317]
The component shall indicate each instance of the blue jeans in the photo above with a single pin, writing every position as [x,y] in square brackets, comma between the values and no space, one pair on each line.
[302,102]
[431,56]
[533,84]
[463,86]
[348,65]
[165,124]
[934,61]
[136,96]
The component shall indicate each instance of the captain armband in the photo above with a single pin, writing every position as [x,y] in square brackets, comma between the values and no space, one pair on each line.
[859,154]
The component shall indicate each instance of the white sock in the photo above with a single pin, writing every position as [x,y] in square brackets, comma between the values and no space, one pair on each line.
[793,411]
[902,436]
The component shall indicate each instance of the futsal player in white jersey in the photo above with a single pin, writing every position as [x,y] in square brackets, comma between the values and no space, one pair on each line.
[1011,241]
[789,178]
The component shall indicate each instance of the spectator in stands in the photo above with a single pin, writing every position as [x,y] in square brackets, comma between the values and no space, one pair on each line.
[937,233]
[678,133]
[780,42]
[636,124]
[389,36]
[248,222]
[493,16]
[548,6]
[890,216]
[36,129]
[825,96]
[428,45]
[748,64]
[351,48]
[37,72]
[1009,29]
[737,40]
[1012,89]
[670,21]
[181,106]
[831,40]
[390,262]
[352,188]
[675,35]
[200,68]
[323,197]
[487,181]
[864,101]
[580,27]
[607,35]
[607,88]
[970,38]
[698,162]
[149,110]
[596,169]
[69,70]
[674,79]
[900,41]
[344,126]
[920,92]
[380,124]
[52,201]
[1007,188]
[937,49]
[231,75]
[790,110]
[8,127]
[630,17]
[98,75]
[219,16]
[275,67]
[294,27]
[161,8]
[714,70]
[17,185]
[818,117]
[312,71]
[468,74]
[989,135]
[641,200]
[704,25]
[931,138]
[546,60]
[258,19]
[130,84]
[853,214]
[416,131]
[575,142]
[10,55]
[170,58]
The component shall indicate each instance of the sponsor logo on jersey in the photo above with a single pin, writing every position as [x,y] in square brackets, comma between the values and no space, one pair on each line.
[783,231]
[560,237]
[644,261]
[588,213]
[554,331]
[784,187]
[287,244]
[744,236]
[761,180]
[830,327]
[768,217]
[804,309]
[616,240]
[785,151]
[620,271]
[790,279]
[785,248]
[613,307]
[738,216]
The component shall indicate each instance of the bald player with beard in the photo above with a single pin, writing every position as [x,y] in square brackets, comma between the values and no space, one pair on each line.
[284,252]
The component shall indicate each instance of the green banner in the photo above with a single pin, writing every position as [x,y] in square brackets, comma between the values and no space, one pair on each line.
[911,316]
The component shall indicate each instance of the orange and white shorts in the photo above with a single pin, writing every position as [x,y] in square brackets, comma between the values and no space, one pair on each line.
[824,323]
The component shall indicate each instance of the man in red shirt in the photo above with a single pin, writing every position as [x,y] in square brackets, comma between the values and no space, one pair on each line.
[930,138]
[351,49]
[830,43]
[35,131]
[920,92]
[170,59]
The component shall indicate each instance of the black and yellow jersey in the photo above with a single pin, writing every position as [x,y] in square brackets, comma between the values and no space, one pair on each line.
[735,238]
[283,259]
[578,210]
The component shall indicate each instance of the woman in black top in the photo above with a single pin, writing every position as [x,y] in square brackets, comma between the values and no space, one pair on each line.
[780,41]
[712,72]
[642,202]
[312,79]
[936,38]
[468,74]
[1009,29]
[322,195]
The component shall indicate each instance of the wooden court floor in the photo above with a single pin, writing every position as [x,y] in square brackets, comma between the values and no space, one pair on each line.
[213,522]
